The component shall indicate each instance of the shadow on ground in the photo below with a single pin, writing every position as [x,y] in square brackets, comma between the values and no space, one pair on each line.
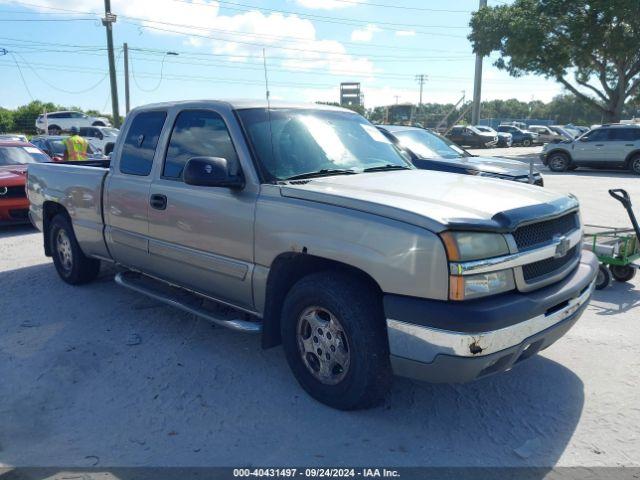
[7,231]
[99,376]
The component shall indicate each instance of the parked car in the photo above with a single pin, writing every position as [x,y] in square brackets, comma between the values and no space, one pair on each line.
[14,158]
[430,151]
[15,137]
[520,137]
[610,146]
[560,130]
[57,122]
[53,145]
[469,136]
[99,137]
[505,140]
[579,128]
[545,133]
[312,229]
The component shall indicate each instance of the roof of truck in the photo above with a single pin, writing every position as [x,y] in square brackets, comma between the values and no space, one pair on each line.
[241,104]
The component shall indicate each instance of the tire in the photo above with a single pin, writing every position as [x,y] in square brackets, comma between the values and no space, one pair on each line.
[558,162]
[98,124]
[634,164]
[526,142]
[71,264]
[622,273]
[603,280]
[334,312]
[54,130]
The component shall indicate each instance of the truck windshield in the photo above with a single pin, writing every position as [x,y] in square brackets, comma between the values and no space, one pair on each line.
[305,142]
[21,156]
[428,145]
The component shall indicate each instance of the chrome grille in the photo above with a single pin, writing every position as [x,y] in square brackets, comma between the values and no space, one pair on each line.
[534,271]
[529,236]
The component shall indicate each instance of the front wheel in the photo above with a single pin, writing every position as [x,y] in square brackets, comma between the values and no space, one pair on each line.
[603,280]
[559,162]
[73,266]
[334,339]
[622,273]
[526,142]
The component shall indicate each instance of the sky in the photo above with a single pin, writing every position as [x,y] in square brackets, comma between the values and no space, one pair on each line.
[56,51]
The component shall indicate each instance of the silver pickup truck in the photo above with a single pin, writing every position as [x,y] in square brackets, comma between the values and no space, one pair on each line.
[306,224]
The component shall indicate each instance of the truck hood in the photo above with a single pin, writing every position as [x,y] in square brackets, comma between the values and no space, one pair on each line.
[435,200]
[502,166]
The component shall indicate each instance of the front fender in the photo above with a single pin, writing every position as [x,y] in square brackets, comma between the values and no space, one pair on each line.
[401,258]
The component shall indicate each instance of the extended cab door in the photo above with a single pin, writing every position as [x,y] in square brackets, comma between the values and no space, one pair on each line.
[202,237]
[126,202]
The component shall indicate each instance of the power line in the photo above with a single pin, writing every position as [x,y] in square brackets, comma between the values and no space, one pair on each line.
[24,82]
[385,5]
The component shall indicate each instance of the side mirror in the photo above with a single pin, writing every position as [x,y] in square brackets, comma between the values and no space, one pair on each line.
[210,172]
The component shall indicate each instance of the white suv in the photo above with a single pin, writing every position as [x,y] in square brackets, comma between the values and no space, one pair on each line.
[610,146]
[61,121]
[99,137]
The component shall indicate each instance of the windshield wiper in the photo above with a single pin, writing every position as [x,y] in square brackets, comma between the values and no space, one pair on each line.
[389,166]
[325,172]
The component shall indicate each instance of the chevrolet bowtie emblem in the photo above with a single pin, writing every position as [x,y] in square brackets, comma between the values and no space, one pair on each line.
[563,247]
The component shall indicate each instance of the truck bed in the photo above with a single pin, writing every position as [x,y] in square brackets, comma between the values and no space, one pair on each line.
[77,186]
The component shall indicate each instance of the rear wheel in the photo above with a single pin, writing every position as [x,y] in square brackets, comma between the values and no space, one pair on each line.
[73,266]
[559,162]
[603,280]
[54,130]
[334,338]
[622,273]
[634,164]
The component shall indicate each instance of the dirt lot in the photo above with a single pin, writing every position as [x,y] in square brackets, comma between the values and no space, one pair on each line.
[100,375]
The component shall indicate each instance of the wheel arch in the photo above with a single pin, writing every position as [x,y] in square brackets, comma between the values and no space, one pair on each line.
[630,156]
[49,210]
[286,269]
[562,151]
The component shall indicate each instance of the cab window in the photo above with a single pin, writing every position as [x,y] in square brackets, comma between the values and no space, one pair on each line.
[198,133]
[141,141]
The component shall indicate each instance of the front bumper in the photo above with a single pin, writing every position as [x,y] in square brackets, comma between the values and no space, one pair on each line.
[457,342]
[14,211]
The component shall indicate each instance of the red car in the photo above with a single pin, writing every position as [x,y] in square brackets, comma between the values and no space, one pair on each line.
[14,158]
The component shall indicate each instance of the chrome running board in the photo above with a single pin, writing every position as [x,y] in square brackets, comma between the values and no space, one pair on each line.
[186,301]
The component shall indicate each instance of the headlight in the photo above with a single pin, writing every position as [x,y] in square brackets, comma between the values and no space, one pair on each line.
[483,284]
[470,246]
[466,246]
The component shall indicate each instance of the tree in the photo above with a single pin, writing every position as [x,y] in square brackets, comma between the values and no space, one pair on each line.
[6,120]
[589,46]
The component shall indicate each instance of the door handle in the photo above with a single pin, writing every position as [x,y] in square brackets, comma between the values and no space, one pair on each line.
[158,201]
[599,145]
[629,145]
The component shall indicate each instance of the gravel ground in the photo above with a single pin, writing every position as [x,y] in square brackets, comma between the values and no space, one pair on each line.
[98,375]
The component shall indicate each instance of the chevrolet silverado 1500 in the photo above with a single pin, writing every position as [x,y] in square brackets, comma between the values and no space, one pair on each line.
[308,226]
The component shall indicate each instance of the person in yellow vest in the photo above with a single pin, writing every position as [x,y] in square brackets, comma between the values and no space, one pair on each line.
[75,146]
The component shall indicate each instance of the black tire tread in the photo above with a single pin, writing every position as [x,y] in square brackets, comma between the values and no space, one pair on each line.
[84,269]
[359,308]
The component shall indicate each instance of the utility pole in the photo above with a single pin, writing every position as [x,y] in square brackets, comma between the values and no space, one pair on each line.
[420,79]
[396,97]
[477,83]
[125,50]
[108,21]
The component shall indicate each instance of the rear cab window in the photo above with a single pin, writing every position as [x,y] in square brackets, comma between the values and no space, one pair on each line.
[141,142]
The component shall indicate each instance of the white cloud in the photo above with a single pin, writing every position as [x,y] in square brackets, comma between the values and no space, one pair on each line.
[241,36]
[405,33]
[328,4]
[364,34]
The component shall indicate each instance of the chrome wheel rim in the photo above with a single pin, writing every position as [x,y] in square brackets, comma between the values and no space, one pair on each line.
[65,255]
[323,345]
[557,162]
